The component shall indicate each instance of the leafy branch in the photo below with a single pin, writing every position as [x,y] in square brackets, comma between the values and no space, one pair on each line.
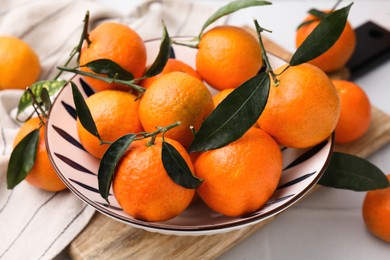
[318,15]
[227,9]
[173,162]
[322,37]
[42,91]
[239,111]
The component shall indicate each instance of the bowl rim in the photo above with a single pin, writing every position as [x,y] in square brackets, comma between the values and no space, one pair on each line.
[211,227]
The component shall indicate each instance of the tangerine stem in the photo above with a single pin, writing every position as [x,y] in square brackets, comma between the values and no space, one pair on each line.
[77,49]
[192,128]
[194,45]
[166,128]
[259,30]
[152,140]
[335,6]
[158,131]
[85,34]
[129,83]
[104,142]
[69,80]
[288,66]
[36,105]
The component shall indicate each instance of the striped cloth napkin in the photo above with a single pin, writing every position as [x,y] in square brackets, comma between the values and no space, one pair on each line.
[35,224]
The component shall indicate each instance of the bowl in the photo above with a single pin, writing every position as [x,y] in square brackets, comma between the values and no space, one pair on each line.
[302,168]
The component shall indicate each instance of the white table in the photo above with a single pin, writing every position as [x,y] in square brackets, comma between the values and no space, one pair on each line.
[328,224]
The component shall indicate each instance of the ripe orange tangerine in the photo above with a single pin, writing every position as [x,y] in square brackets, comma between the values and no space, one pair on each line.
[172,65]
[303,109]
[338,55]
[228,56]
[42,175]
[19,64]
[355,115]
[376,212]
[217,98]
[176,96]
[115,114]
[142,186]
[241,176]
[116,42]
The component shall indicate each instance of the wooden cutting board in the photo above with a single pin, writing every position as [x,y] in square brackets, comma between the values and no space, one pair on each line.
[105,238]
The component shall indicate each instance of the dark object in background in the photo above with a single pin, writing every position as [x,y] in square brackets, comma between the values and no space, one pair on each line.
[372,49]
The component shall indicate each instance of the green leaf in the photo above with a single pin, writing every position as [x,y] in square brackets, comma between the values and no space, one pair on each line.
[52,86]
[231,8]
[317,13]
[322,37]
[46,99]
[162,57]
[84,36]
[83,112]
[237,113]
[306,23]
[109,162]
[177,168]
[109,68]
[22,159]
[350,172]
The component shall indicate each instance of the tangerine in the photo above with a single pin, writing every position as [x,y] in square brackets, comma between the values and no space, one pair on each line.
[42,175]
[376,212]
[240,177]
[143,188]
[228,56]
[338,55]
[115,114]
[217,98]
[176,96]
[303,109]
[116,42]
[170,66]
[19,64]
[355,113]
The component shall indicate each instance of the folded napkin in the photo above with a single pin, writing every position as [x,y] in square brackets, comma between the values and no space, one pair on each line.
[36,224]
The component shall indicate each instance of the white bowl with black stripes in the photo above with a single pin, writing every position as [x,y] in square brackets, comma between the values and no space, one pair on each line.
[302,168]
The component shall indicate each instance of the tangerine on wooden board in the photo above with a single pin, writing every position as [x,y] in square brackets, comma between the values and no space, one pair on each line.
[142,186]
[115,113]
[116,42]
[228,56]
[176,96]
[376,212]
[355,114]
[42,174]
[240,177]
[19,64]
[170,66]
[338,55]
[303,109]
